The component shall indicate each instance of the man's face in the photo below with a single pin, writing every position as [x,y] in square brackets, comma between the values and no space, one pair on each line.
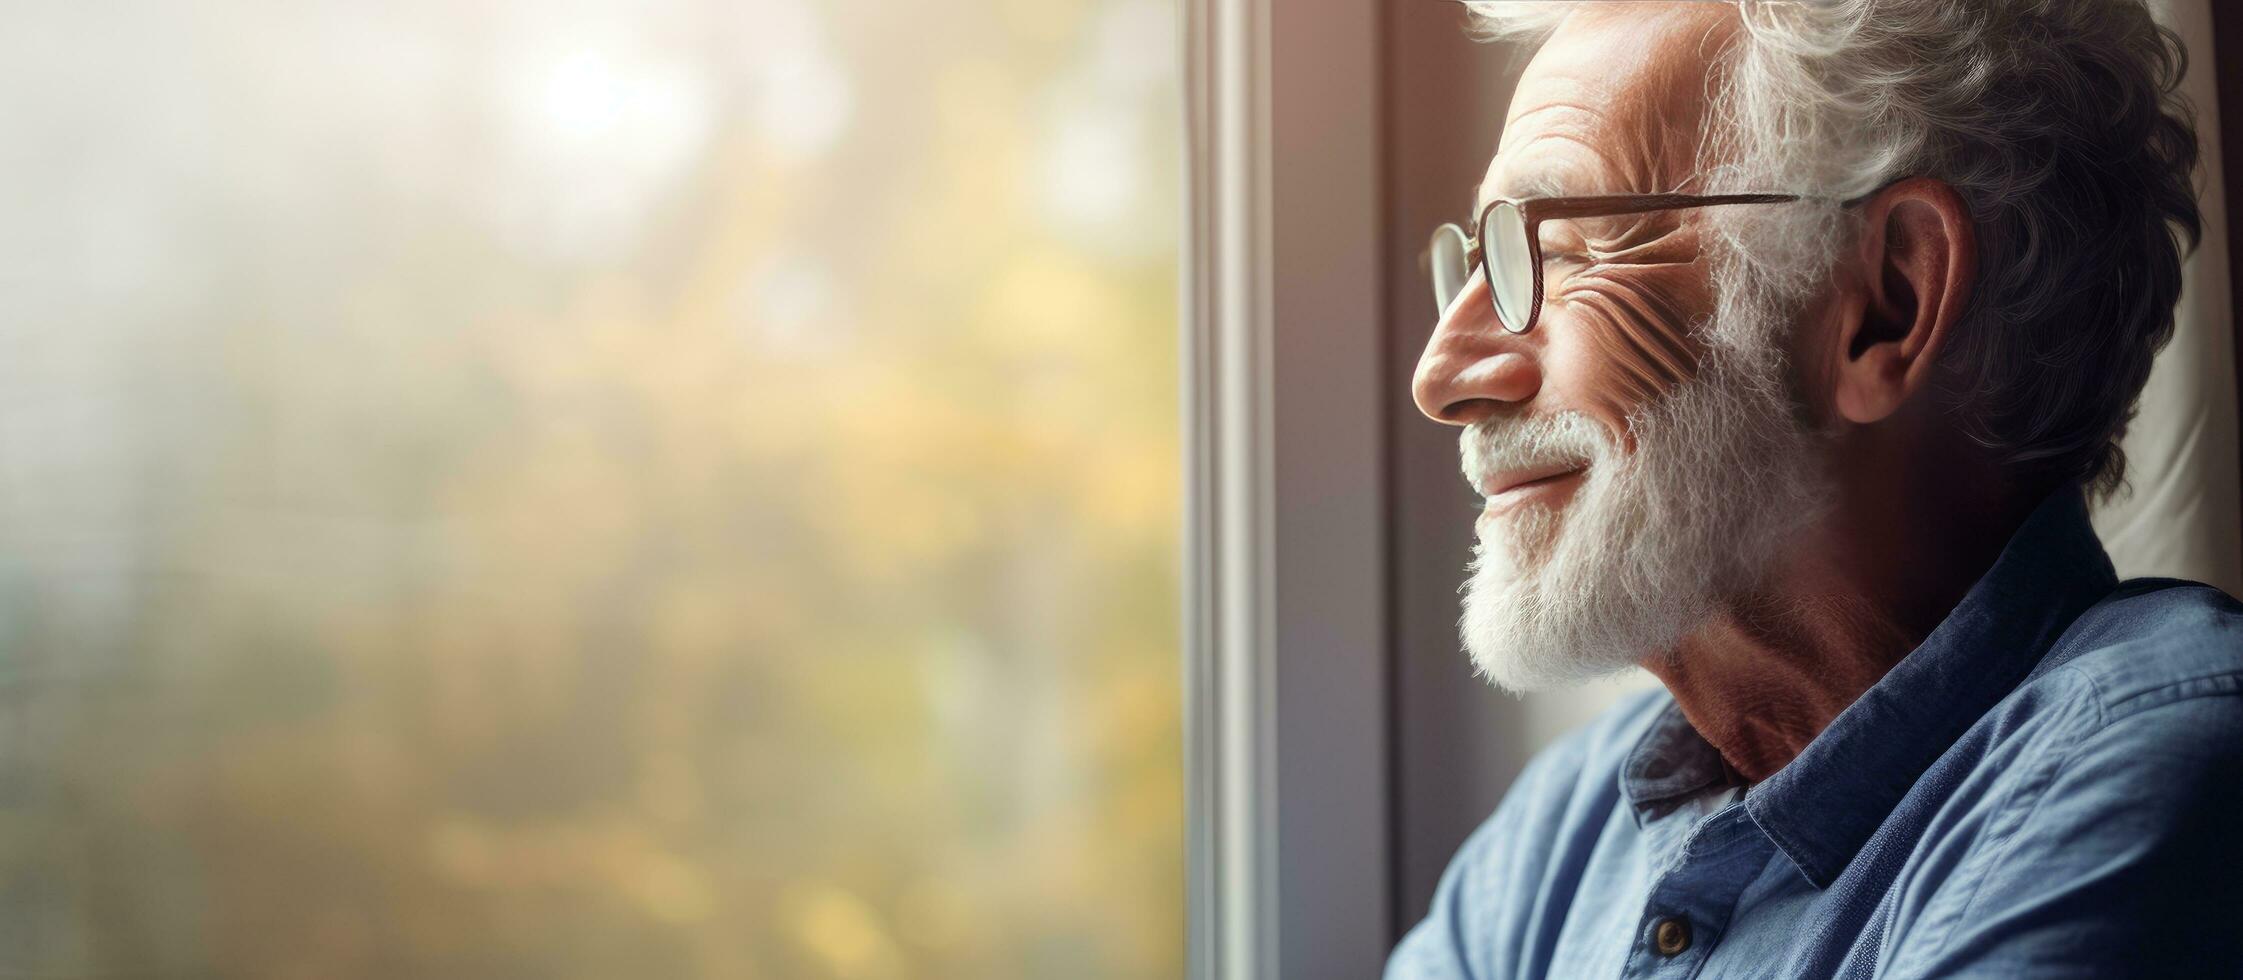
[1634,460]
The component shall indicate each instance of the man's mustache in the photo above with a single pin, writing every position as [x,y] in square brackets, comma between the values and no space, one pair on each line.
[1505,444]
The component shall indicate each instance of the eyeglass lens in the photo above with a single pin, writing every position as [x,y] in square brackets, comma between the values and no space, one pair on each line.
[1450,269]
[1510,263]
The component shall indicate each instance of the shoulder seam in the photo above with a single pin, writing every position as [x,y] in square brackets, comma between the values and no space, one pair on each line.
[2222,684]
[2099,698]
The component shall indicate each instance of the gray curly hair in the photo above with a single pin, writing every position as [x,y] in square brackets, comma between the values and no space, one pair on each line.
[2060,124]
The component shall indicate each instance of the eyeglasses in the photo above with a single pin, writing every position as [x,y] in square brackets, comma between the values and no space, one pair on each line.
[1507,244]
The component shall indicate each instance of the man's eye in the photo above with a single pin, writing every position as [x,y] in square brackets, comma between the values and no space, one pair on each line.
[1563,246]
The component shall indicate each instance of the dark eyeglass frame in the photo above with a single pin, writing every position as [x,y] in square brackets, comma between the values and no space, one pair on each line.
[1534,211]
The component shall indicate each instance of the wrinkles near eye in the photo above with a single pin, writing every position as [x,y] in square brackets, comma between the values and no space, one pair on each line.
[1639,333]
[1664,250]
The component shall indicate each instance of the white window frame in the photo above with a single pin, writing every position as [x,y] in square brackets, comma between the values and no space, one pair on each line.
[1286,688]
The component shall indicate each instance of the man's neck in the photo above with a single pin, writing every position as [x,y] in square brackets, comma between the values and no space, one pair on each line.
[1769,671]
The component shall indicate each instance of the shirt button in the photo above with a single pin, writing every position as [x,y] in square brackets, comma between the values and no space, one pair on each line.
[1671,936]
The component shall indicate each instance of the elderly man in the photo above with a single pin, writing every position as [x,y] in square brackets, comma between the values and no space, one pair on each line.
[1788,341]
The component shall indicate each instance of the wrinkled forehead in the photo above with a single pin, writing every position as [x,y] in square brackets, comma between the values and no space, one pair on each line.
[1613,102]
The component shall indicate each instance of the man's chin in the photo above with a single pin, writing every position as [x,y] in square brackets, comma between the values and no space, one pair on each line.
[1528,667]
[1525,628]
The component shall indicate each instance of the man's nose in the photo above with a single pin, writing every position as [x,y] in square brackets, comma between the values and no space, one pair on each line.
[1472,367]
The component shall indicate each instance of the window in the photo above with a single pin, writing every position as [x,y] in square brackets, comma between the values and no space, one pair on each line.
[597,490]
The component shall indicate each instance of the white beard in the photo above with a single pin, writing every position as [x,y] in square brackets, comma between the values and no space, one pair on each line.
[1652,541]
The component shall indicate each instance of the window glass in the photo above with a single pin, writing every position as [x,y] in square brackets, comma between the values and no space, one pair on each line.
[598,489]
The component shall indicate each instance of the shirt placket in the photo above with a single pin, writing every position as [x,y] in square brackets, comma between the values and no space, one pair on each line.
[1692,901]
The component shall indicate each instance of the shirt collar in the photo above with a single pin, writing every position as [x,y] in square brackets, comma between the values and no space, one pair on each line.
[1823,806]
[1669,764]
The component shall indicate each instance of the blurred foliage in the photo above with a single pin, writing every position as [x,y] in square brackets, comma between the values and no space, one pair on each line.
[724,526]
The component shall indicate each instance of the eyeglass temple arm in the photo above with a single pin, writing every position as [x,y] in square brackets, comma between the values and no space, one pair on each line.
[1614,205]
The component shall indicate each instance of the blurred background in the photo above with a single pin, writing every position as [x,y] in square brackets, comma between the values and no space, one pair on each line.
[590,489]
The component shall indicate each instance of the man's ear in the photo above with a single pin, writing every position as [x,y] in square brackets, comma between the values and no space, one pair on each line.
[1917,260]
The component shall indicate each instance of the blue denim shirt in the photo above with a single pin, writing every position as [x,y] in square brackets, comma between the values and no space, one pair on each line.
[2051,785]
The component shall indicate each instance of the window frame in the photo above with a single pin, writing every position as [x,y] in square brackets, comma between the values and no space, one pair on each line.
[1286,660]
